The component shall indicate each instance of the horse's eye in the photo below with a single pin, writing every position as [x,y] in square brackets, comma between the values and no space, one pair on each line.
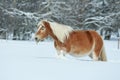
[42,28]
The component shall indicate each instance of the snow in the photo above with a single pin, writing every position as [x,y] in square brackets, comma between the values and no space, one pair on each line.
[24,60]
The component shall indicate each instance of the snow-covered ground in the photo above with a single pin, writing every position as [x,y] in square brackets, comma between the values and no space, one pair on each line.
[24,60]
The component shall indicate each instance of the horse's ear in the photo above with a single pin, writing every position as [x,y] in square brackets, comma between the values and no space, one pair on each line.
[46,23]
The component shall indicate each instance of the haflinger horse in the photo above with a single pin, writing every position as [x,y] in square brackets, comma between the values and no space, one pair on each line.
[74,42]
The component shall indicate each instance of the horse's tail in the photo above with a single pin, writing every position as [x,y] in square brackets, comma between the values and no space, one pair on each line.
[103,55]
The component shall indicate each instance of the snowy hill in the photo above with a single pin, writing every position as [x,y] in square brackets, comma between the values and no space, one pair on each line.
[22,60]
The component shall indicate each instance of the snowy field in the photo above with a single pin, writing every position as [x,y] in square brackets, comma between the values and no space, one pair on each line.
[24,60]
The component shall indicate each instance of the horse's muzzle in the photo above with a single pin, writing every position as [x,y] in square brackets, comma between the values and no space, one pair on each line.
[37,39]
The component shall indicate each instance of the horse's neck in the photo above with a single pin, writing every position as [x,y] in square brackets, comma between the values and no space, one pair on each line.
[53,36]
[56,40]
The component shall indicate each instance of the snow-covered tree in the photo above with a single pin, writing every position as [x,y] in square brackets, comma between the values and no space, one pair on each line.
[18,18]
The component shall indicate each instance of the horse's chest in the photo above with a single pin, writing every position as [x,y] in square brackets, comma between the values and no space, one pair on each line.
[61,47]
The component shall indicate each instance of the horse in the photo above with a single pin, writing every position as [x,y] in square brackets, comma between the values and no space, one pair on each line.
[76,43]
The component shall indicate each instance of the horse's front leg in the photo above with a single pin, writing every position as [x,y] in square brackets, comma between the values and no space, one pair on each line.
[61,50]
[61,54]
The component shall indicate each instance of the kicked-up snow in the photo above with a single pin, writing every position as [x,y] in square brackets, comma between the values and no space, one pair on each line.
[26,60]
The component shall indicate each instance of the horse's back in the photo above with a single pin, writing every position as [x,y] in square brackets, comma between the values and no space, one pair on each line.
[86,36]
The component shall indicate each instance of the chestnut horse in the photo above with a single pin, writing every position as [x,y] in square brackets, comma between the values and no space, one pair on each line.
[74,42]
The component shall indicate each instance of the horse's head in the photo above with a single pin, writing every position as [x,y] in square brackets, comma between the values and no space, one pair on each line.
[41,32]
[55,30]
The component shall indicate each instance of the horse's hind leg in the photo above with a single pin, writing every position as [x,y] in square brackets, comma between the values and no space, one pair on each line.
[94,56]
[97,52]
[102,56]
[91,55]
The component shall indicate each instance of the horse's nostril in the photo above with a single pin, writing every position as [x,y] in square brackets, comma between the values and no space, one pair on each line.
[36,38]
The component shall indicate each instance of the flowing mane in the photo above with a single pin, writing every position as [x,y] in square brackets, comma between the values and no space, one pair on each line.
[60,31]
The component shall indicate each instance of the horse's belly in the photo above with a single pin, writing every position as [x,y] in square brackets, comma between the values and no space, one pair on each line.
[81,53]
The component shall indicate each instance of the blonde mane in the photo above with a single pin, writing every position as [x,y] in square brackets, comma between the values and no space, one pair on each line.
[61,31]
